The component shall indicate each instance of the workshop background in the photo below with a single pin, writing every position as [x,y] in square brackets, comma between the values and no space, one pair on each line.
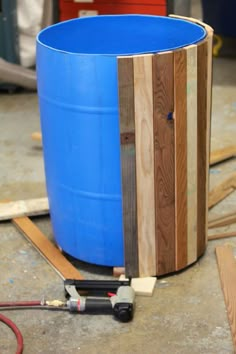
[186,313]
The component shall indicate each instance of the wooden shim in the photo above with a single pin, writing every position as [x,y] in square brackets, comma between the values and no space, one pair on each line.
[47,250]
[191,93]
[143,103]
[37,136]
[220,236]
[164,161]
[227,271]
[28,207]
[202,161]
[180,82]
[127,124]
[222,190]
[222,154]
[225,220]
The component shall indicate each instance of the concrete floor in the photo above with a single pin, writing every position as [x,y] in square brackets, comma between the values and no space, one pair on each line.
[186,313]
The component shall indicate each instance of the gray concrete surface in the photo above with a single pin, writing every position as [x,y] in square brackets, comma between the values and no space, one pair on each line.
[186,313]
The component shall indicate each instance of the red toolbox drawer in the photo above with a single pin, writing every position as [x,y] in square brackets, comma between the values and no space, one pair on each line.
[72,9]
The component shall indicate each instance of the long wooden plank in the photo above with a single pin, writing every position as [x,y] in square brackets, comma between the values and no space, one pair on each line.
[223,154]
[221,235]
[127,125]
[28,207]
[202,167]
[227,271]
[49,252]
[192,152]
[180,82]
[224,220]
[222,190]
[143,103]
[164,161]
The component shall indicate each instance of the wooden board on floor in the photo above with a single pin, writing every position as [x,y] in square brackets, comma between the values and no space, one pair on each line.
[202,168]
[227,271]
[222,154]
[180,80]
[143,103]
[191,152]
[222,235]
[164,161]
[224,220]
[28,207]
[222,190]
[49,252]
[128,164]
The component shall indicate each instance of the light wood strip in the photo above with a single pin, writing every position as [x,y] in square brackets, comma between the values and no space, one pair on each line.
[127,124]
[143,98]
[222,235]
[224,220]
[192,152]
[208,120]
[180,82]
[164,161]
[222,190]
[47,250]
[220,155]
[28,207]
[227,271]
[202,148]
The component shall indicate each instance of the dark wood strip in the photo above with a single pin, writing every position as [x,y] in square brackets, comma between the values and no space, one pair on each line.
[180,101]
[127,125]
[164,161]
[202,167]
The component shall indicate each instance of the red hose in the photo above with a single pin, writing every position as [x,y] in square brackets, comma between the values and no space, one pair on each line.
[16,331]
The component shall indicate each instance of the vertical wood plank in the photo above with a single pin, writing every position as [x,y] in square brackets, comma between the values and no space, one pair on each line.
[143,103]
[164,164]
[180,81]
[192,152]
[128,170]
[208,122]
[202,146]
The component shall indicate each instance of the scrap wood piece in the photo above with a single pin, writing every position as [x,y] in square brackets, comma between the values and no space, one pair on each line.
[220,236]
[224,220]
[49,252]
[222,154]
[227,270]
[28,207]
[36,136]
[222,190]
[142,286]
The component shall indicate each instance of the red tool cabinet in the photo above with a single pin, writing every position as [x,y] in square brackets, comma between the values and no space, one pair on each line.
[77,8]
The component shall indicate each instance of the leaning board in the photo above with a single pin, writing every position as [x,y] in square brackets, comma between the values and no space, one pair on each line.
[165,109]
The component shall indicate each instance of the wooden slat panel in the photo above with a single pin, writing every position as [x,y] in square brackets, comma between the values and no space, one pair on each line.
[143,100]
[192,152]
[180,81]
[127,124]
[202,160]
[163,105]
[227,270]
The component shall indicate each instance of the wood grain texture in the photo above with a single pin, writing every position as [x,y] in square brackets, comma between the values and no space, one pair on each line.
[128,165]
[220,155]
[143,99]
[227,271]
[164,161]
[202,163]
[192,152]
[28,207]
[49,252]
[180,100]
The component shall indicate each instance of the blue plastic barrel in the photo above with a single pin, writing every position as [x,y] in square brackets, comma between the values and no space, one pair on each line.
[78,99]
